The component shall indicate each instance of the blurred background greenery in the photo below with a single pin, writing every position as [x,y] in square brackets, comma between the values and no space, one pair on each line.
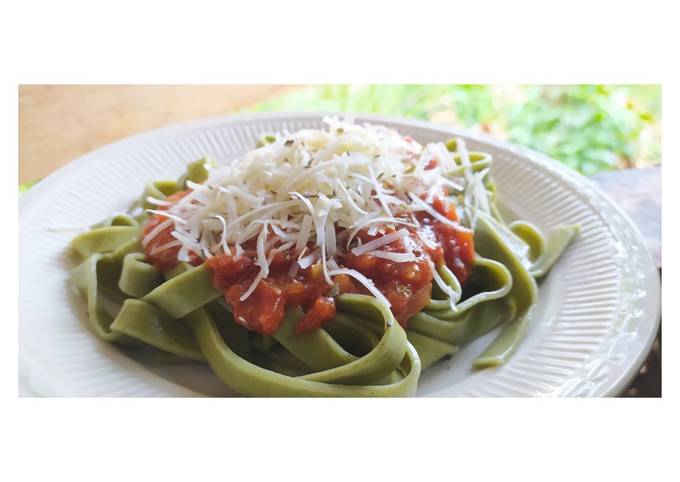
[591,128]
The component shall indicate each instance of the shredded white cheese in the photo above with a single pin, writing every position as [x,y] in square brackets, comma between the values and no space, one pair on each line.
[368,284]
[454,295]
[396,257]
[156,231]
[380,242]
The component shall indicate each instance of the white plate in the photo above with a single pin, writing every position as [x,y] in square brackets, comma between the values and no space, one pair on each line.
[596,319]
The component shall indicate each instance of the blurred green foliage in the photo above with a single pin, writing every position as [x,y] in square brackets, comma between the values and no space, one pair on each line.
[591,128]
[26,186]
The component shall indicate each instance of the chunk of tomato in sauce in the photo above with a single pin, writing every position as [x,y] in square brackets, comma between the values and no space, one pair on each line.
[448,210]
[406,300]
[407,285]
[157,251]
[459,251]
[227,270]
[320,312]
[455,242]
[262,311]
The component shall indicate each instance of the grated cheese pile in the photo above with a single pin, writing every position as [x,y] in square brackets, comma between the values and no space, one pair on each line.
[312,191]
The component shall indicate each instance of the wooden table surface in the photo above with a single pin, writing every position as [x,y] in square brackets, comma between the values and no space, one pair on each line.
[58,123]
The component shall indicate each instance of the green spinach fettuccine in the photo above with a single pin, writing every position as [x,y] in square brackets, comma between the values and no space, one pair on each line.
[363,349]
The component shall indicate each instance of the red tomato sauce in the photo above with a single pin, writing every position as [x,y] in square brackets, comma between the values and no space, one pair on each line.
[263,310]
[456,246]
[166,257]
[407,285]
